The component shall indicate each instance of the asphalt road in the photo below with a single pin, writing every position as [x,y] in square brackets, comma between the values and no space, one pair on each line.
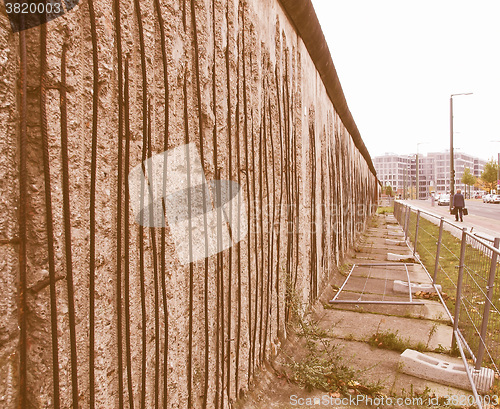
[489,210]
[483,217]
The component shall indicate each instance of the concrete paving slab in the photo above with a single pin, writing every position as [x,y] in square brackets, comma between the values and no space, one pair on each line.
[360,298]
[394,242]
[431,310]
[382,365]
[393,272]
[394,227]
[382,251]
[360,327]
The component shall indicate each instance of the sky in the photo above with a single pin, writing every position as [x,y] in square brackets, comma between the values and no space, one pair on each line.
[400,60]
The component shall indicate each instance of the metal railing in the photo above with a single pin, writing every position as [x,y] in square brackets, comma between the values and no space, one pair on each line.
[463,268]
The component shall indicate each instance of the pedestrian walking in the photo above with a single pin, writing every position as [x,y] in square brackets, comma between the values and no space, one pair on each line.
[458,205]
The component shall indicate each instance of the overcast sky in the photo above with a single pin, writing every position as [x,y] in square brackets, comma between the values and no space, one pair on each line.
[399,61]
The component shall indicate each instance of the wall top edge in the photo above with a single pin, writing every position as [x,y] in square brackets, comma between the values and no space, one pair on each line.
[303,16]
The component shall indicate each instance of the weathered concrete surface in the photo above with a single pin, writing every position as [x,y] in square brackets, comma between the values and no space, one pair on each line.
[236,79]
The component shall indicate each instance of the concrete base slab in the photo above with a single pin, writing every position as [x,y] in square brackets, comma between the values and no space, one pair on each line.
[395,242]
[360,327]
[430,310]
[394,227]
[393,272]
[400,286]
[396,233]
[400,257]
[434,369]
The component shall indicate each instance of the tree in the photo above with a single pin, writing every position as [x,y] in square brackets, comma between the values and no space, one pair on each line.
[489,175]
[468,179]
[388,190]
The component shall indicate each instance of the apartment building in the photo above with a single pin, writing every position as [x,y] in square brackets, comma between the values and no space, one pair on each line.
[400,172]
[397,171]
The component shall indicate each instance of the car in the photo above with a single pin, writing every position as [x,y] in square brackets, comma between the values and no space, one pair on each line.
[495,199]
[486,198]
[444,200]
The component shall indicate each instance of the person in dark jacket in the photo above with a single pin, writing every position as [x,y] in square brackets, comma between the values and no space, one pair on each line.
[459,204]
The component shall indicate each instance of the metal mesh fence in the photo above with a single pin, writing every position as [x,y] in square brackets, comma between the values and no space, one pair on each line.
[466,268]
[427,242]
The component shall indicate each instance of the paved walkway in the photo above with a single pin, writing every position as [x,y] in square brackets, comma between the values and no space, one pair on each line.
[350,326]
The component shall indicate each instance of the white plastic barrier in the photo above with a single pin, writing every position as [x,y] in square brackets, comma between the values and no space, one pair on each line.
[395,242]
[399,257]
[433,369]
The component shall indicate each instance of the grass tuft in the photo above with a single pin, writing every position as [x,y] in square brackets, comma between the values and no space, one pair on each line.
[392,341]
[385,209]
[322,367]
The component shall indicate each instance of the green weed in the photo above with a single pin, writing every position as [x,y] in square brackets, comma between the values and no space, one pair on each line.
[323,366]
[392,341]
[385,209]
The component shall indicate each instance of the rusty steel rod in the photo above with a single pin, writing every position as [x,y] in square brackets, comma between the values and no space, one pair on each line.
[270,223]
[238,245]
[246,171]
[230,176]
[261,204]
[278,234]
[48,213]
[202,158]
[67,228]
[161,25]
[256,235]
[219,336]
[119,203]
[22,401]
[126,111]
[152,232]
[92,204]
[190,246]
[142,49]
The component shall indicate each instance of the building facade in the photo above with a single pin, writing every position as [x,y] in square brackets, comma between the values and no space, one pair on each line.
[433,176]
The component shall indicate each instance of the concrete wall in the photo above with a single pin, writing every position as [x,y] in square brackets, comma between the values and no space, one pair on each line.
[133,323]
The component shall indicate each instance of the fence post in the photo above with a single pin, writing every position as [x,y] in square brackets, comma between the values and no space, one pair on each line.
[402,211]
[487,305]
[407,221]
[416,234]
[438,250]
[459,286]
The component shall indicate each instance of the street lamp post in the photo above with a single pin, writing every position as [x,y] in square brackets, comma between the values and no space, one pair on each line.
[498,169]
[416,177]
[452,164]
[418,171]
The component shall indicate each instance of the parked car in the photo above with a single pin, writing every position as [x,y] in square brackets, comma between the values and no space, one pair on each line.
[495,199]
[444,200]
[486,198]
